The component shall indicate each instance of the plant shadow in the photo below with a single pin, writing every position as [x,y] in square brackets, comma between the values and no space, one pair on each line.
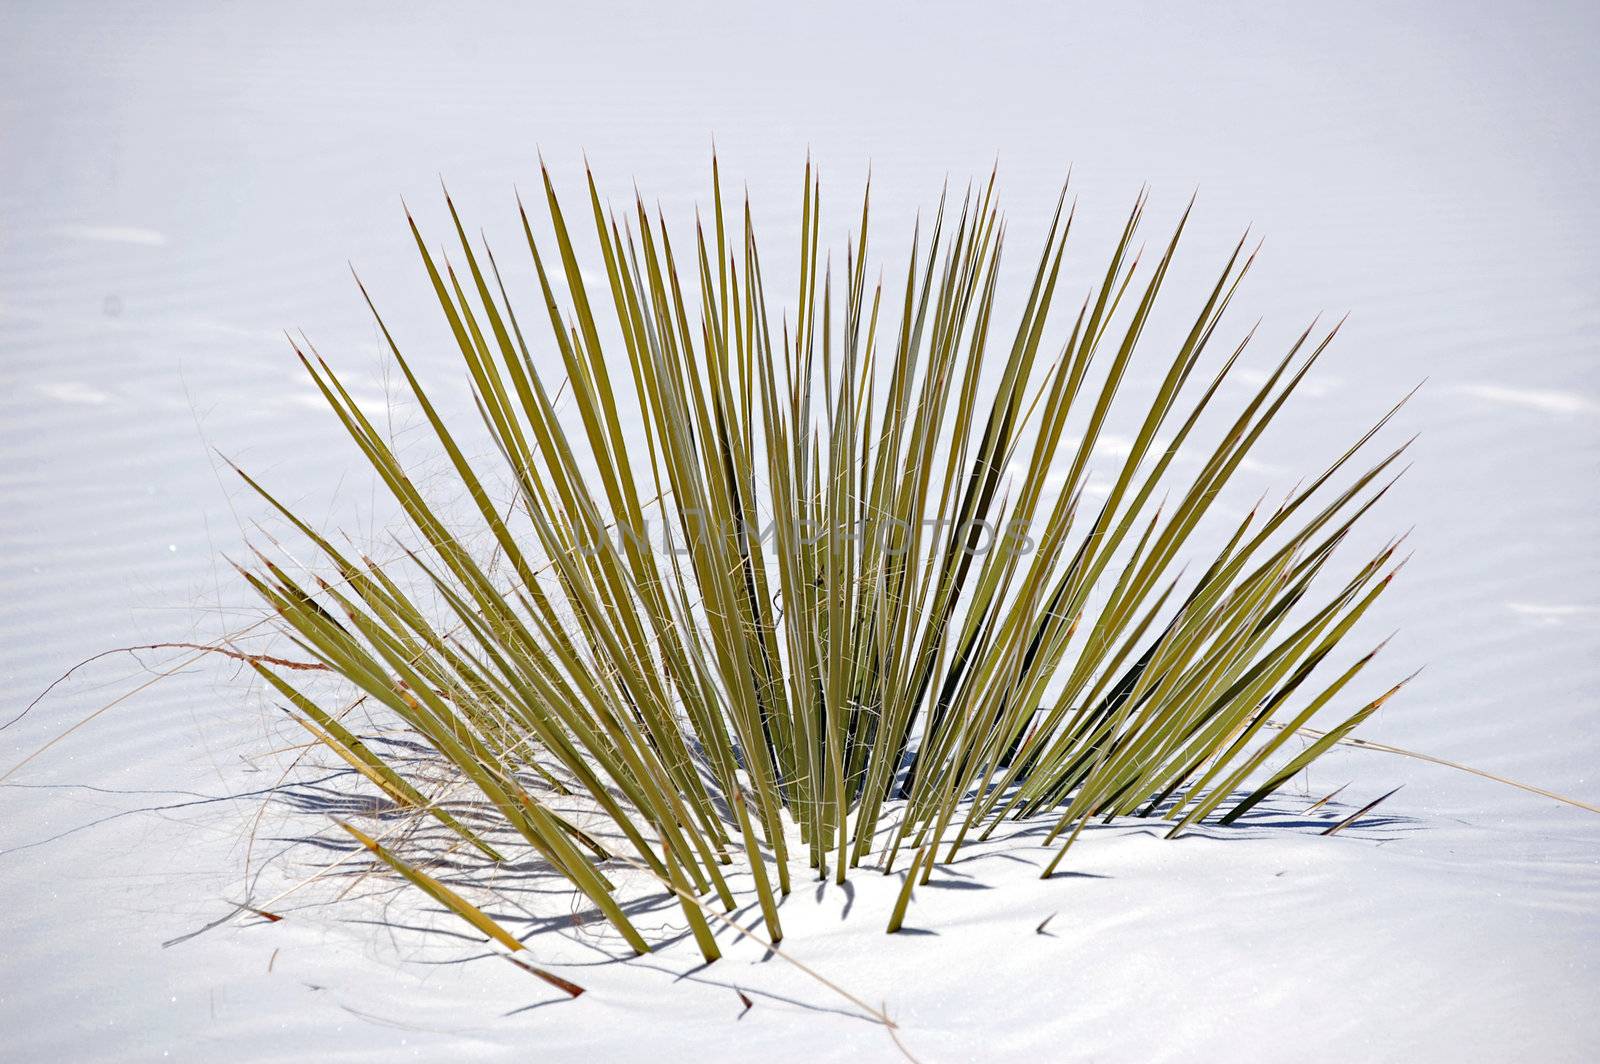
[532,898]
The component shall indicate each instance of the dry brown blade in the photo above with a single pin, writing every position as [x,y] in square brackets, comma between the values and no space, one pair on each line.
[1359,813]
[1325,799]
[570,988]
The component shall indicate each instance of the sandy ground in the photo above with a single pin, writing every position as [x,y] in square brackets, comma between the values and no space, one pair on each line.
[179,184]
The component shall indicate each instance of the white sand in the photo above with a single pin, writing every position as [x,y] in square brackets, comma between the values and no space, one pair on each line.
[176,186]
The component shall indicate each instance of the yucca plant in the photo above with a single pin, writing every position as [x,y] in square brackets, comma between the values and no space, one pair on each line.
[893,612]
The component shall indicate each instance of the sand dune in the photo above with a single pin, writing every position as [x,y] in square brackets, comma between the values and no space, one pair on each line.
[180,184]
